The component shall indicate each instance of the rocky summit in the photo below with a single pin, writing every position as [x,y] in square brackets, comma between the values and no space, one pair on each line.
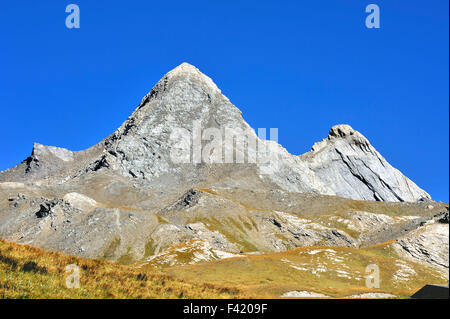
[161,191]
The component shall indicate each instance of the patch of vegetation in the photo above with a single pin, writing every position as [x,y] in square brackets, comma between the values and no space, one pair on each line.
[283,238]
[186,256]
[331,221]
[246,246]
[207,190]
[31,266]
[236,224]
[98,279]
[161,220]
[111,249]
[333,271]
[253,223]
[149,248]
[126,259]
[246,224]
[223,226]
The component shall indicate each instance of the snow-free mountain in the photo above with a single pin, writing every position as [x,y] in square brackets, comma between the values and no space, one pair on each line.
[125,199]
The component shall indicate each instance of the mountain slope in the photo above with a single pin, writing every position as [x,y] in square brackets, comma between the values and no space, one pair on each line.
[130,198]
[27,272]
[334,272]
[351,166]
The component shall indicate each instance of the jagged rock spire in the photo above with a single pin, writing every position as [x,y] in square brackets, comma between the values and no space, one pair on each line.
[352,167]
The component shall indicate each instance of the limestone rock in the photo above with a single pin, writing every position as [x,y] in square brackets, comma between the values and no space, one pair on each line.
[372,295]
[80,201]
[442,217]
[126,198]
[344,164]
[303,294]
[352,168]
[428,245]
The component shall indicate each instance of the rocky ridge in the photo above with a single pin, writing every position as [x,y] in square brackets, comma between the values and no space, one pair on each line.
[344,164]
[126,200]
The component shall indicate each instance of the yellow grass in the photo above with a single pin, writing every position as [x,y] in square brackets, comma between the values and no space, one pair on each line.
[271,275]
[27,272]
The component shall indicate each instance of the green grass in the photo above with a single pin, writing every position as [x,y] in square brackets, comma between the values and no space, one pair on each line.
[149,248]
[112,247]
[224,226]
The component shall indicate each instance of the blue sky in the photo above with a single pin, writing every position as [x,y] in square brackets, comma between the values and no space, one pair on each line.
[301,66]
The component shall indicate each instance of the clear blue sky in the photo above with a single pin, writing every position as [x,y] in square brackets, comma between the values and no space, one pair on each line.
[301,66]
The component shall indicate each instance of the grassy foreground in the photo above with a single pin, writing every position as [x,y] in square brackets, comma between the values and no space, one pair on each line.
[28,272]
[333,271]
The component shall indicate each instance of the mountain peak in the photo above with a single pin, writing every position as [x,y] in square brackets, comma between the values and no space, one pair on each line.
[341,130]
[184,68]
[185,99]
[190,73]
[184,78]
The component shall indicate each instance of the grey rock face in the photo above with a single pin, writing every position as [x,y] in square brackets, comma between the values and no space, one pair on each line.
[352,168]
[44,210]
[126,199]
[303,294]
[343,164]
[427,245]
[442,217]
[141,146]
[49,164]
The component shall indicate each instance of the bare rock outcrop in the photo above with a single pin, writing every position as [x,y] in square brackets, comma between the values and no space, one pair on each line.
[344,164]
[127,197]
[428,245]
[351,166]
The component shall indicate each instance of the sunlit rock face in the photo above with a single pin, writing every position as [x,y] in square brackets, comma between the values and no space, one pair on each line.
[128,197]
[351,166]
